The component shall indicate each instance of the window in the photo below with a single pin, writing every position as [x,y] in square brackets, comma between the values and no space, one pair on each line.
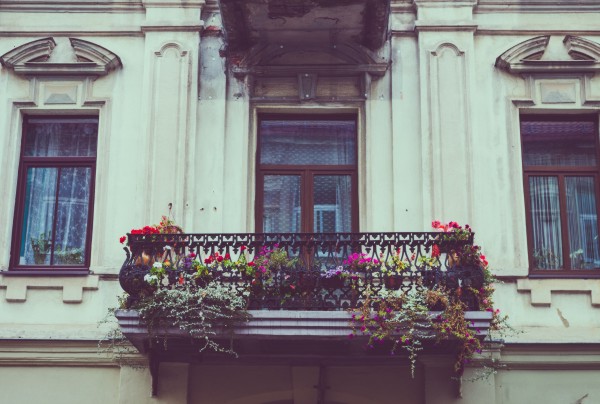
[307,174]
[560,165]
[55,191]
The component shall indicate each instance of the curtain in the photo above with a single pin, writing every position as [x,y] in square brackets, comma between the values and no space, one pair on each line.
[582,222]
[545,217]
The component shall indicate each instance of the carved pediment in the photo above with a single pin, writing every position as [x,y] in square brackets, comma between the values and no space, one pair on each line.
[547,54]
[57,56]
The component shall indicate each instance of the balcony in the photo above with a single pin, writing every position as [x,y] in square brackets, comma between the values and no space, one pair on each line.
[300,289]
[370,261]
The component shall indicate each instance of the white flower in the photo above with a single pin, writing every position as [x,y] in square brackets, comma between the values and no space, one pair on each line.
[167,247]
[151,279]
[157,265]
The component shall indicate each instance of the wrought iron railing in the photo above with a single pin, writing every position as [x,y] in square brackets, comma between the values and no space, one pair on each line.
[325,271]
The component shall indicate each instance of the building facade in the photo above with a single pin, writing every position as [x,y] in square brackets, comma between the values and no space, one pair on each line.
[298,116]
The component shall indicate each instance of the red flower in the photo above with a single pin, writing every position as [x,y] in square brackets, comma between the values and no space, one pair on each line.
[219,258]
[192,255]
[122,239]
[227,256]
[251,264]
[181,279]
[208,260]
[435,251]
[244,248]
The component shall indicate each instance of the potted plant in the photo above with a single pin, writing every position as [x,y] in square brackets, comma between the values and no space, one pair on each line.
[334,278]
[41,247]
[391,270]
[68,256]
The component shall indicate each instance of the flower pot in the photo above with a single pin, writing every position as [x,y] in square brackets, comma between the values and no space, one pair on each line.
[40,258]
[393,282]
[307,282]
[333,283]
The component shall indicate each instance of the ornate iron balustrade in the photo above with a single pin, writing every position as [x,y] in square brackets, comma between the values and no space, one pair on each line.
[366,263]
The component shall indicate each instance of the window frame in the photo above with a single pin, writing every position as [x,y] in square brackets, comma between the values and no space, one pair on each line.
[560,172]
[306,172]
[59,162]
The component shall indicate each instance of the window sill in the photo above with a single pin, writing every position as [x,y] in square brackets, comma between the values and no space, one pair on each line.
[52,272]
[72,284]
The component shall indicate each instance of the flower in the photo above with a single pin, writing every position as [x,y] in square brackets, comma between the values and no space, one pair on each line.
[122,239]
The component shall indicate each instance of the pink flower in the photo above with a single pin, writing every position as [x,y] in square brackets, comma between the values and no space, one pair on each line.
[436,224]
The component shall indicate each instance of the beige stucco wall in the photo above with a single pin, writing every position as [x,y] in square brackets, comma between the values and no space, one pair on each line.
[438,140]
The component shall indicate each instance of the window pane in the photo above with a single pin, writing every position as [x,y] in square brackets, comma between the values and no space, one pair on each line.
[332,204]
[61,137]
[72,215]
[582,222]
[281,204]
[40,197]
[545,218]
[559,143]
[322,142]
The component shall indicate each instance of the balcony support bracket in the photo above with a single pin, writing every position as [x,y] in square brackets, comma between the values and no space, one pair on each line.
[154,363]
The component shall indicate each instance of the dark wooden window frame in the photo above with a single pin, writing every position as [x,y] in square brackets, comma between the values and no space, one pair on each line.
[26,162]
[561,172]
[306,173]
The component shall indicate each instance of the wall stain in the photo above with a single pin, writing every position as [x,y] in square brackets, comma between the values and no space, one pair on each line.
[563,319]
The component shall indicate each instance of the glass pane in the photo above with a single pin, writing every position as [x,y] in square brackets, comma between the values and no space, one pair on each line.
[297,142]
[583,222]
[72,215]
[332,204]
[40,197]
[559,143]
[545,217]
[282,211]
[45,137]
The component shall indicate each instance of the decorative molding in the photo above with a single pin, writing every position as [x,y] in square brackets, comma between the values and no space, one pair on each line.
[169,96]
[55,353]
[338,63]
[351,59]
[581,56]
[531,48]
[38,50]
[72,287]
[541,289]
[447,100]
[34,59]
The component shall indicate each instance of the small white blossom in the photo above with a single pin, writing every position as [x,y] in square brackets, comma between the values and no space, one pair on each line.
[151,279]
[157,265]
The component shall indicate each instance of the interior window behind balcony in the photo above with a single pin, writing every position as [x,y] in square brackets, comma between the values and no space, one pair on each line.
[560,164]
[307,174]
[55,189]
